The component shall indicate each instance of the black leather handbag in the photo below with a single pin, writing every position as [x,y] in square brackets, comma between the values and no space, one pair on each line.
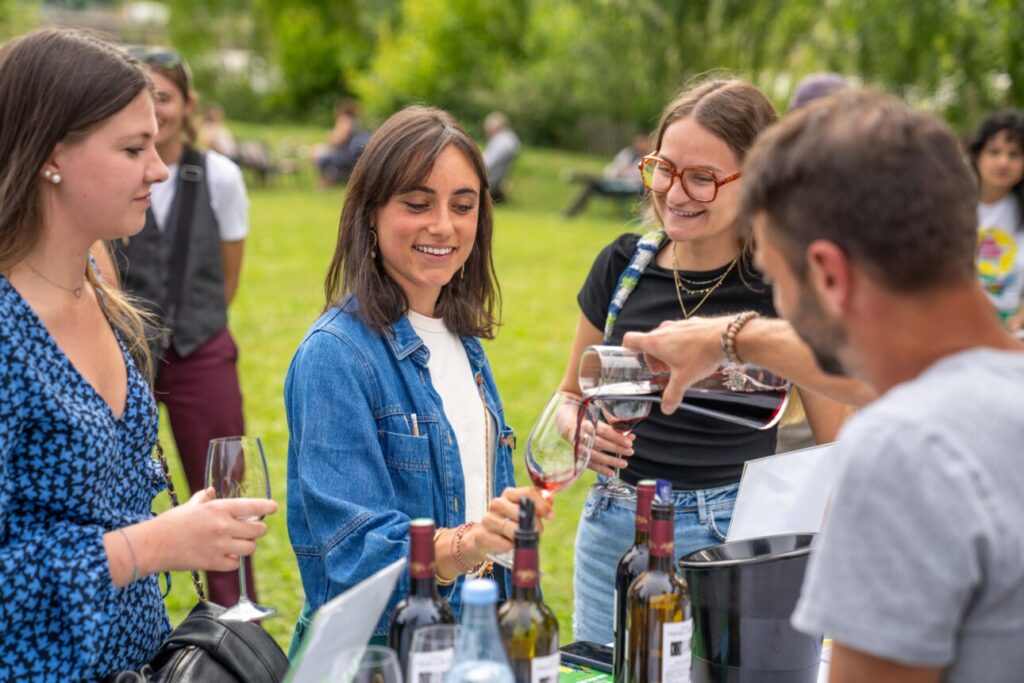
[204,649]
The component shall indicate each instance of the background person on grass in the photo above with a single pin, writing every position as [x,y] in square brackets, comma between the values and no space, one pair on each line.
[997,157]
[80,549]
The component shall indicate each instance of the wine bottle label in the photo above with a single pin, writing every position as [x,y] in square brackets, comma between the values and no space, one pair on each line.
[675,651]
[545,669]
[525,574]
[430,667]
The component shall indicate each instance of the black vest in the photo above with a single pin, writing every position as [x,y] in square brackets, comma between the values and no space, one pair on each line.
[144,262]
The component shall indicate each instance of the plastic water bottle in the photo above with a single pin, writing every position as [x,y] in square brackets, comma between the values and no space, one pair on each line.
[480,653]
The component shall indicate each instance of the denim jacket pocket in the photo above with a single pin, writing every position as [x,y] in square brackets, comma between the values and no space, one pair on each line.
[408,461]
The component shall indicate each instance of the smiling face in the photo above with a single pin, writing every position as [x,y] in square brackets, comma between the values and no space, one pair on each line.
[425,235]
[687,143]
[106,176]
[1000,165]
[171,109]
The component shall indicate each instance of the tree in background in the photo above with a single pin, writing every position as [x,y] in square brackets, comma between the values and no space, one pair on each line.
[589,73]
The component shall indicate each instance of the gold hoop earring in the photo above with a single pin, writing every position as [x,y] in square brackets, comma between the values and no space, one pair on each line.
[373,247]
[462,273]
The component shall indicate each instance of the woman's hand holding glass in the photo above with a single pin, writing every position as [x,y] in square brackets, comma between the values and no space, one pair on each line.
[209,534]
[236,468]
[493,536]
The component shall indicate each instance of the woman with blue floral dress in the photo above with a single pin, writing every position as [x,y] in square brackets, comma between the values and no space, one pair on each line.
[80,549]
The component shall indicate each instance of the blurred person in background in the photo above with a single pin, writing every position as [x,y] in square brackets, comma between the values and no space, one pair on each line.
[214,134]
[996,152]
[620,178]
[186,265]
[336,159]
[500,152]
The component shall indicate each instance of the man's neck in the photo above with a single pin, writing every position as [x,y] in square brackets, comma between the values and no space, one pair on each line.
[906,334]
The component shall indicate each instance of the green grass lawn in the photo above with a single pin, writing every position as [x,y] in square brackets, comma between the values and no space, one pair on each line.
[541,260]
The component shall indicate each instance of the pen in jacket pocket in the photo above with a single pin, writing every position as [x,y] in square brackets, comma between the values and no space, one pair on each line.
[415,424]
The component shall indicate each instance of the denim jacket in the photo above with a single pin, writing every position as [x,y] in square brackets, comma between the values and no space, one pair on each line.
[356,473]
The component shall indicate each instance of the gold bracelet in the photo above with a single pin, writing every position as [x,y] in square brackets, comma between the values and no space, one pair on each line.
[438,579]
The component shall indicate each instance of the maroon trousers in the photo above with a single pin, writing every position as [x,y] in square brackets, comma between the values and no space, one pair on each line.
[204,401]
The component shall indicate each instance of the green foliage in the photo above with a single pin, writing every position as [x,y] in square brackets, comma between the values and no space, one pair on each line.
[445,52]
[589,73]
[17,16]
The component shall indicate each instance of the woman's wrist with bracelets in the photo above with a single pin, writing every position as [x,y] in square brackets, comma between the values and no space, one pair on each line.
[441,580]
[730,333]
[460,561]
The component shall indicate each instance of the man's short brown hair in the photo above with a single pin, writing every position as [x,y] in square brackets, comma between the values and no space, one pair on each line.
[883,181]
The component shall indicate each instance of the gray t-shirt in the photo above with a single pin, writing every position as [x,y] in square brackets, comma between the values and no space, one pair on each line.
[921,557]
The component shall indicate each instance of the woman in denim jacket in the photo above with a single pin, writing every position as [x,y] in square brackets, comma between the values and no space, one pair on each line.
[392,409]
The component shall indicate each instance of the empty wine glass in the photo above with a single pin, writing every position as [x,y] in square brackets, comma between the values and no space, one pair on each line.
[237,468]
[557,450]
[369,664]
[431,653]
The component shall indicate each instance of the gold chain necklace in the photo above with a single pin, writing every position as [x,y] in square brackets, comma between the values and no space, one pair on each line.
[75,291]
[707,292]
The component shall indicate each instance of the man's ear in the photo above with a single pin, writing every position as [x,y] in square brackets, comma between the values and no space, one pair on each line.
[829,275]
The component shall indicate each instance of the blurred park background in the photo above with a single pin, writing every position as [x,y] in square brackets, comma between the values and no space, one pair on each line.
[577,78]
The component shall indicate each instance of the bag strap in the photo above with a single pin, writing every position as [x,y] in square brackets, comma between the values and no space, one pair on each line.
[646,248]
[196,582]
[190,173]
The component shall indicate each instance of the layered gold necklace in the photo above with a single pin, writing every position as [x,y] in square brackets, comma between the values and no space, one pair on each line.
[714,283]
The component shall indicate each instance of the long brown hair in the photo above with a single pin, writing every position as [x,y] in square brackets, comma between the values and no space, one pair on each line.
[732,110]
[59,85]
[398,157]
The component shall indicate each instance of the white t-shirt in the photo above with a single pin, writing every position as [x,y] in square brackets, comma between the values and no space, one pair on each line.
[453,380]
[228,199]
[1001,253]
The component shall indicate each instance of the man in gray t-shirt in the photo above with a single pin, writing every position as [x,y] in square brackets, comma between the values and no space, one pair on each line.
[921,558]
[863,212]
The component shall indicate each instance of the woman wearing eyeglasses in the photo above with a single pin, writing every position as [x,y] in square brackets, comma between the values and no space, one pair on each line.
[185,265]
[697,267]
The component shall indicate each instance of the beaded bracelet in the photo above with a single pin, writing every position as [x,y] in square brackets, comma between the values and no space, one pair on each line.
[731,331]
[438,579]
[460,562]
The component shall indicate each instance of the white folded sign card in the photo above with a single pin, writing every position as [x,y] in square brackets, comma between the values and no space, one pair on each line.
[784,494]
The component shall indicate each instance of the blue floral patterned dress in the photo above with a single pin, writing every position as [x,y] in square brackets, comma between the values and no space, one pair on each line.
[69,471]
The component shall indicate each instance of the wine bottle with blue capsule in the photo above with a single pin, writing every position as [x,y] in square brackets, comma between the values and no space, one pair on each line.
[660,622]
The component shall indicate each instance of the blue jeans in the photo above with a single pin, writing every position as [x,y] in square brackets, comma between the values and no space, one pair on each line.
[606,531]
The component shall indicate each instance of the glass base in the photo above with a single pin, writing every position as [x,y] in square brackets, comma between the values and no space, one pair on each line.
[246,610]
[614,488]
[504,559]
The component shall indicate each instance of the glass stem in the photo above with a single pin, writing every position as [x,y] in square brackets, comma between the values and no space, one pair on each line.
[243,588]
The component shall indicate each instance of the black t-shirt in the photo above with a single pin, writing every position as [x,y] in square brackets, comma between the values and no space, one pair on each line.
[691,451]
